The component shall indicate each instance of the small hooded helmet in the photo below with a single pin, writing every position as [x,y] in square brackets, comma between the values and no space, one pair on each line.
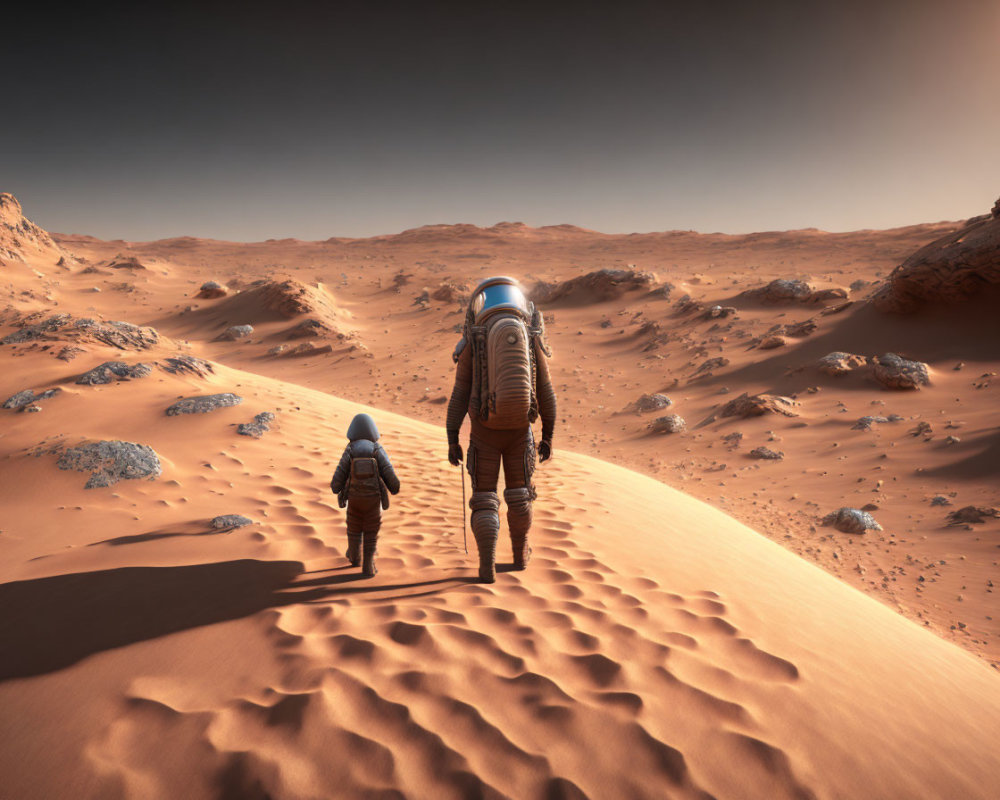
[362,427]
[500,293]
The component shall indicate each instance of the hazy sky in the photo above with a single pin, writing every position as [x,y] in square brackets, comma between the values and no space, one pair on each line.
[249,121]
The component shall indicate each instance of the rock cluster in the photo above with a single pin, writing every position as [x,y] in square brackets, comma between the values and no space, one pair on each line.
[203,404]
[261,424]
[27,397]
[672,423]
[757,405]
[949,270]
[113,370]
[973,514]
[123,335]
[851,520]
[767,453]
[111,461]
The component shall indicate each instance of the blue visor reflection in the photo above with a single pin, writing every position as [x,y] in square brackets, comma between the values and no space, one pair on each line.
[500,295]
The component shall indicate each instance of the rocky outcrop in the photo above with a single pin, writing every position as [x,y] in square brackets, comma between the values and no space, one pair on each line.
[27,397]
[895,372]
[64,327]
[187,365]
[211,290]
[113,370]
[793,290]
[757,405]
[261,424]
[288,298]
[838,363]
[973,515]
[949,270]
[121,261]
[203,404]
[672,423]
[20,238]
[111,461]
[772,343]
[597,286]
[309,328]
[851,520]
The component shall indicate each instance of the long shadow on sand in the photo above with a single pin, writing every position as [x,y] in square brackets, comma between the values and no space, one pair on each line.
[49,623]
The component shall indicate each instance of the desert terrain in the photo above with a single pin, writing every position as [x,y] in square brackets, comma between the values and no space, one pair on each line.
[693,623]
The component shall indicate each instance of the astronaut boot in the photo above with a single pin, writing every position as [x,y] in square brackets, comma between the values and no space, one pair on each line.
[486,529]
[368,568]
[519,523]
[354,549]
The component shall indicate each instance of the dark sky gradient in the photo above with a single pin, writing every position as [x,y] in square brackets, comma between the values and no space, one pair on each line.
[247,121]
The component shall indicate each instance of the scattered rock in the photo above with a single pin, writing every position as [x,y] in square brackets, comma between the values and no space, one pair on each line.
[210,290]
[973,515]
[230,521]
[705,369]
[111,461]
[69,352]
[940,500]
[203,404]
[923,428]
[187,365]
[826,295]
[719,311]
[858,285]
[733,439]
[870,507]
[866,423]
[305,349]
[651,402]
[782,290]
[261,424]
[772,343]
[124,262]
[449,292]
[234,332]
[747,405]
[112,370]
[952,440]
[25,398]
[838,363]
[895,372]
[851,520]
[767,453]
[672,423]
[687,304]
[952,269]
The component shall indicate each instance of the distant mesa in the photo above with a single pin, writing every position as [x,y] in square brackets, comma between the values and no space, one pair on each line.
[111,461]
[65,327]
[594,287]
[203,404]
[949,270]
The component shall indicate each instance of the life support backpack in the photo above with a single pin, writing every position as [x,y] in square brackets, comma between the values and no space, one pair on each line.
[365,479]
[504,361]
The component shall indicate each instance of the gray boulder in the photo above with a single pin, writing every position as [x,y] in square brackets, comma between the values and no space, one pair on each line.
[851,520]
[211,290]
[767,453]
[187,365]
[203,404]
[261,424]
[838,363]
[111,461]
[230,521]
[895,372]
[866,423]
[113,370]
[652,402]
[234,332]
[672,423]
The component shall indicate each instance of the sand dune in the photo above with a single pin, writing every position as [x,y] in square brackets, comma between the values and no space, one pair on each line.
[655,647]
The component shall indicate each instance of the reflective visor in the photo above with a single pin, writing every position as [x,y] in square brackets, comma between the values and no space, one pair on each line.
[496,297]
